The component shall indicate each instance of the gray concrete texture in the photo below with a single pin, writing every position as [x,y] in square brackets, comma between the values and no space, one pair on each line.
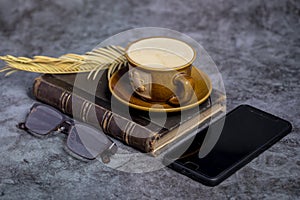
[255,44]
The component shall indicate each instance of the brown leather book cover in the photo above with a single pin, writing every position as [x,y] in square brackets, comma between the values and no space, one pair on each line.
[92,104]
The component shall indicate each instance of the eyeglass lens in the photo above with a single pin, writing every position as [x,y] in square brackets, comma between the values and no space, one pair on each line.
[42,120]
[87,142]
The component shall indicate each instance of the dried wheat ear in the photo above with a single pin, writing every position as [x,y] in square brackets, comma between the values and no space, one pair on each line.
[109,57]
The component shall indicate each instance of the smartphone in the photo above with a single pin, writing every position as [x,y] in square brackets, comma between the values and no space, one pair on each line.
[245,133]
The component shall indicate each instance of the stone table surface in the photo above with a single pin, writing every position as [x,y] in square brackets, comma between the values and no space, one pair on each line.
[255,44]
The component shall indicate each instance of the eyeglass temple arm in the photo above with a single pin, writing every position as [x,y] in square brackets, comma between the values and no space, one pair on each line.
[21,126]
[112,149]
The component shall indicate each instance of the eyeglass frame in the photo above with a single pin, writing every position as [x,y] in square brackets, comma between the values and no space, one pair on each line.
[65,126]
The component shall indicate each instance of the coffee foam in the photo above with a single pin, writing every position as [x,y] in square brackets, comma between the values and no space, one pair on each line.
[157,58]
[160,53]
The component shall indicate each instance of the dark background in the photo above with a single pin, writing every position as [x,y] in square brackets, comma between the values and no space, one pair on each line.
[255,44]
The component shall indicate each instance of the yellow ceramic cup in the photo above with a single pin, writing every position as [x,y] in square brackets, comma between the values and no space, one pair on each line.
[160,69]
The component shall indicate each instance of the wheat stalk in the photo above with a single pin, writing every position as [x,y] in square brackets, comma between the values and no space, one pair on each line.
[110,57]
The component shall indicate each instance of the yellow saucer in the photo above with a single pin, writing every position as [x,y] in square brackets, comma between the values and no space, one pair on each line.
[120,88]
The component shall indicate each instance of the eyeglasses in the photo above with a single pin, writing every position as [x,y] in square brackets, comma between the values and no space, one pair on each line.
[85,141]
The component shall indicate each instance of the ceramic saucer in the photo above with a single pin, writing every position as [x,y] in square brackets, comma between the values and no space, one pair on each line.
[120,88]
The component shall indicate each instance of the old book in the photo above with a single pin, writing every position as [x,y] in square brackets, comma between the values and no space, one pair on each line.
[139,129]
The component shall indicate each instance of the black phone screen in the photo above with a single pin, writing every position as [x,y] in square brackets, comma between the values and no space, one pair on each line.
[247,132]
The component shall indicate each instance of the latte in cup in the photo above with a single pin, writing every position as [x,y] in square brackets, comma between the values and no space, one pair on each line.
[157,58]
[160,69]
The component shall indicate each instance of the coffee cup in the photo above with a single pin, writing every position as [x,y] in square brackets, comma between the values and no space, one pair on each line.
[160,69]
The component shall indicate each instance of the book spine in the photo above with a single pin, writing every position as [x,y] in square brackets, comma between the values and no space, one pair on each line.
[114,125]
